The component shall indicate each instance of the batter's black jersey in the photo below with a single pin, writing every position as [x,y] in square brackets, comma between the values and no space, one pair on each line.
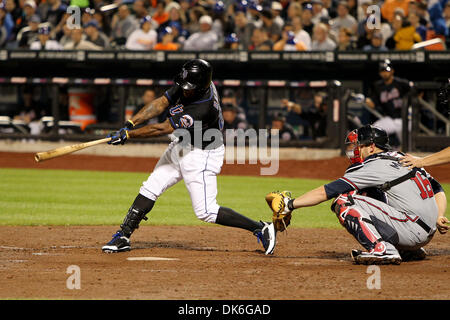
[201,117]
[388,98]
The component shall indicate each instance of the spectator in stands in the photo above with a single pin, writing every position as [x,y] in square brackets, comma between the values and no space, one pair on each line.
[77,41]
[389,6]
[219,20]
[161,16]
[122,25]
[144,38]
[28,34]
[268,23]
[414,20]
[316,114]
[44,42]
[376,43]
[318,11]
[406,36]
[387,97]
[52,11]
[29,11]
[167,43]
[194,19]
[243,30]
[94,35]
[260,40]
[321,40]
[307,16]
[6,21]
[254,10]
[446,14]
[231,42]
[176,13]
[397,23]
[288,42]
[276,9]
[87,16]
[179,35]
[139,9]
[343,19]
[294,10]
[3,31]
[282,128]
[345,40]
[205,39]
[300,34]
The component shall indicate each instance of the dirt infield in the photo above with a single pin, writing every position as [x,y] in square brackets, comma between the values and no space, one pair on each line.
[213,262]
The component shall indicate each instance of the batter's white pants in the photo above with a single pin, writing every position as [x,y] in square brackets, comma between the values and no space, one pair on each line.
[198,168]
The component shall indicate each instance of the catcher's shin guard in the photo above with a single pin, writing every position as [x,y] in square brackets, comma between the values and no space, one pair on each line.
[141,206]
[356,222]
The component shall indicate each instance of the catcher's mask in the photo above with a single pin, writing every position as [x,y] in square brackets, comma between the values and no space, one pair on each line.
[195,75]
[352,147]
[365,136]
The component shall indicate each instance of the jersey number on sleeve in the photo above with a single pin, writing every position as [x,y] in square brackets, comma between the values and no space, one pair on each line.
[424,185]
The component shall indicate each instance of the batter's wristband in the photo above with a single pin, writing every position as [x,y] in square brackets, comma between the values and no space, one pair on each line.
[290,205]
[129,124]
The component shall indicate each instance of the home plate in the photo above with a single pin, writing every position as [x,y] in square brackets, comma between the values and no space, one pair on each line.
[150,259]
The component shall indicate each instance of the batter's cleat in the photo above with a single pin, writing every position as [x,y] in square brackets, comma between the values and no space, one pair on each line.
[267,236]
[119,243]
[413,255]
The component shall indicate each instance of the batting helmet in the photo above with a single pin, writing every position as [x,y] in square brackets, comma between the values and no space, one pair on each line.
[371,134]
[195,75]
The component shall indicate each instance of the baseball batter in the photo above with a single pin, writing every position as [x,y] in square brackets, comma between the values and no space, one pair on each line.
[390,209]
[195,156]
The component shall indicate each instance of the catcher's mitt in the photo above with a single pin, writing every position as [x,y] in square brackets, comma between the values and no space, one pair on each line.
[277,201]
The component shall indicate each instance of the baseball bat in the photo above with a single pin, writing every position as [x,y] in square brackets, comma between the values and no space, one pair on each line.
[58,152]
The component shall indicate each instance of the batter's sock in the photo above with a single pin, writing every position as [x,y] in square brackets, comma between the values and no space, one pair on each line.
[229,217]
[141,206]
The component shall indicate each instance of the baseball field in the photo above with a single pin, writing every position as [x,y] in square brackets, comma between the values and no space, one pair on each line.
[55,216]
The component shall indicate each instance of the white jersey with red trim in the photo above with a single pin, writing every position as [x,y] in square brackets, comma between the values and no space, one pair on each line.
[414,196]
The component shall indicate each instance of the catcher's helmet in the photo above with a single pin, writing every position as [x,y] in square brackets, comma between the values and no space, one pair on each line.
[195,75]
[371,134]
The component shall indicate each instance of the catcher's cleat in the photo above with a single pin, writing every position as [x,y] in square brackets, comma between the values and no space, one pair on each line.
[267,236]
[367,258]
[118,243]
[413,255]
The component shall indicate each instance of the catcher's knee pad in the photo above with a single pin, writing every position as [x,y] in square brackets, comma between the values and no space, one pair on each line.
[360,226]
[341,205]
[141,206]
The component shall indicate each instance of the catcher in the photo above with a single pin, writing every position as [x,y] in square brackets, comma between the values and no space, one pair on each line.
[392,211]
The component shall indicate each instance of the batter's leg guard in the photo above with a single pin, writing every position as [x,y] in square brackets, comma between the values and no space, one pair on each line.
[137,212]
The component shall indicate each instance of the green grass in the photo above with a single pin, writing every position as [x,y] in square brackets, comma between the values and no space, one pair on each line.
[65,197]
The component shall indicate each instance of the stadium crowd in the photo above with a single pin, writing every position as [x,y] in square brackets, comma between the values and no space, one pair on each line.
[195,25]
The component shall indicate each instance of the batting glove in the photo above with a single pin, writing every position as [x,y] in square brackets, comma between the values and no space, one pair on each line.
[118,137]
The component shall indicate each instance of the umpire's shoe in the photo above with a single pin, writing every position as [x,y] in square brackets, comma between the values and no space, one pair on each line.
[118,243]
[267,236]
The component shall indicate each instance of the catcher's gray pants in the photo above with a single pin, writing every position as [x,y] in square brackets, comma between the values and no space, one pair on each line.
[381,221]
